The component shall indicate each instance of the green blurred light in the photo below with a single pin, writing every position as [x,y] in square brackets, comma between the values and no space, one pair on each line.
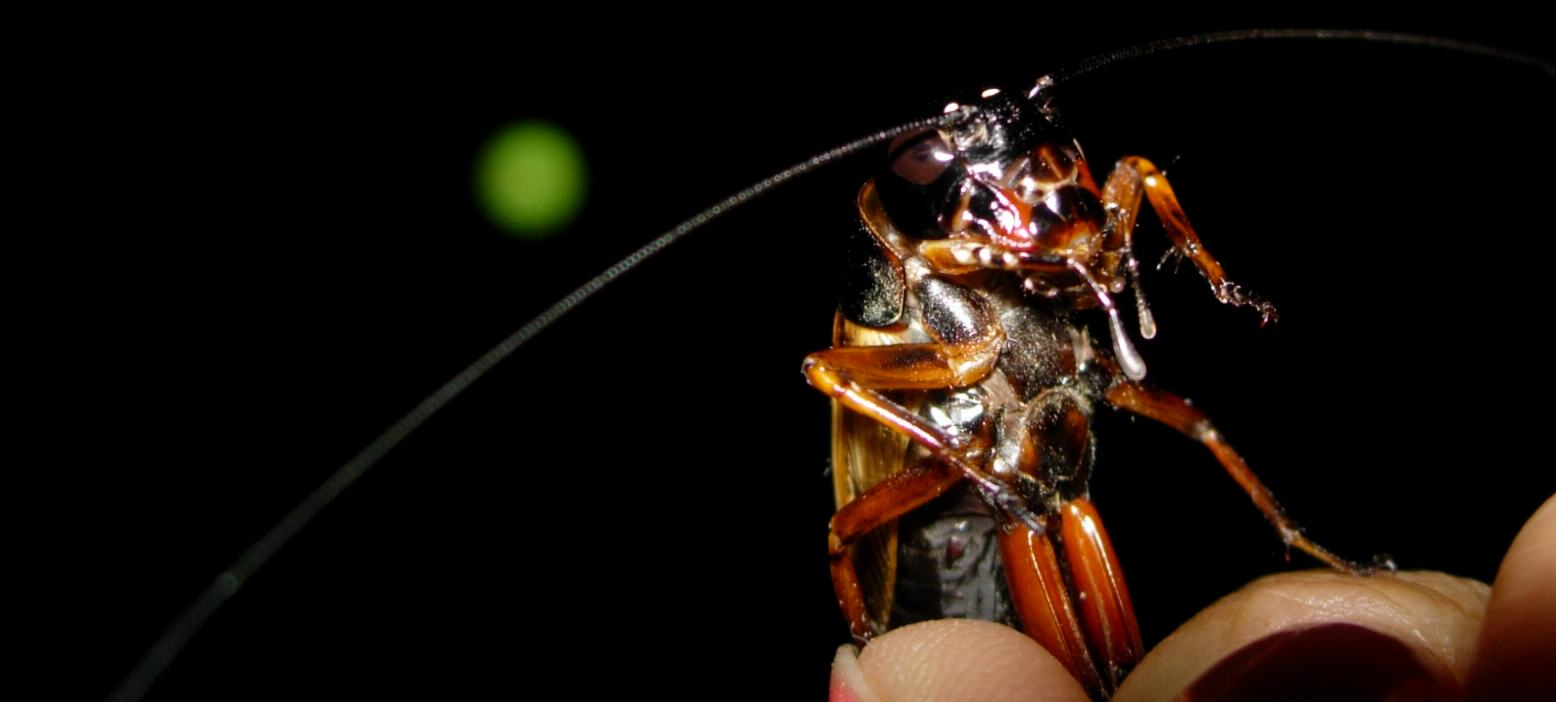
[531,179]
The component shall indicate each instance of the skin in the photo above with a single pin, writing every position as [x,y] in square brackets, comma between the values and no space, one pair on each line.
[1410,635]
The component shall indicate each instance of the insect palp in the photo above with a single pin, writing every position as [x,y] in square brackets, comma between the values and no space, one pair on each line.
[1128,358]
[1142,308]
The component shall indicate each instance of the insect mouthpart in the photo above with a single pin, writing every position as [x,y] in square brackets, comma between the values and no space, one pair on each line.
[1054,220]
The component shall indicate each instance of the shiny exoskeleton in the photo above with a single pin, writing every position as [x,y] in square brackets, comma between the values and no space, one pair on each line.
[965,375]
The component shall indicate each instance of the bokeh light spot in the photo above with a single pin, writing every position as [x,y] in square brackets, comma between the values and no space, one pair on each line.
[530,178]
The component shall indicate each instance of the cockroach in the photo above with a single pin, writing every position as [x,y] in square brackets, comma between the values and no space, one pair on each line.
[962,373]
[598,491]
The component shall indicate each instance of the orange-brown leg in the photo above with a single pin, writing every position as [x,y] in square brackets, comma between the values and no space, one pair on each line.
[1041,598]
[1177,413]
[1106,610]
[854,376]
[891,498]
[1134,176]
[851,375]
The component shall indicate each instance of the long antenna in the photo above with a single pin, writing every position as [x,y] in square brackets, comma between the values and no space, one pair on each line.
[166,648]
[1092,63]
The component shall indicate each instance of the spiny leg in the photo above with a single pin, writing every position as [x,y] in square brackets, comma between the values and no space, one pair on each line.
[1177,413]
[1135,176]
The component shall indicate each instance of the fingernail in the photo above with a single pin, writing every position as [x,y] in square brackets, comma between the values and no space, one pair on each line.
[1329,662]
[848,684]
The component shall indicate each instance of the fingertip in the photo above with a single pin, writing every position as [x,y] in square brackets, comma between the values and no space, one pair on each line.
[848,681]
[1434,616]
[956,659]
[1336,662]
[1515,658]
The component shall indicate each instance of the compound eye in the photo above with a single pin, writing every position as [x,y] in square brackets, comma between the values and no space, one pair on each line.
[919,183]
[921,158]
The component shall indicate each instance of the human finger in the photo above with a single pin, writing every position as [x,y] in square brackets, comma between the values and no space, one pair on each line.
[1515,657]
[950,660]
[1321,635]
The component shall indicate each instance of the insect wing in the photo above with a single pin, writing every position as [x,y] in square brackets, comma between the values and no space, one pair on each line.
[865,452]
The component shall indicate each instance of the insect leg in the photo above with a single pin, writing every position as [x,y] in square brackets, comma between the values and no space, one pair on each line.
[1042,601]
[1134,176]
[1177,413]
[1106,610]
[889,499]
[852,375]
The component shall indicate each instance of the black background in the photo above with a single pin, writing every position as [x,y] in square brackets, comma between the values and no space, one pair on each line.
[639,497]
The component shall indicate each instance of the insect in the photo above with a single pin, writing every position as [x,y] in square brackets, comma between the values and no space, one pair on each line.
[964,382]
[447,543]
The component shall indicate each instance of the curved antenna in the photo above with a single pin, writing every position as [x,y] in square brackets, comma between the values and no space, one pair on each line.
[1092,63]
[167,647]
